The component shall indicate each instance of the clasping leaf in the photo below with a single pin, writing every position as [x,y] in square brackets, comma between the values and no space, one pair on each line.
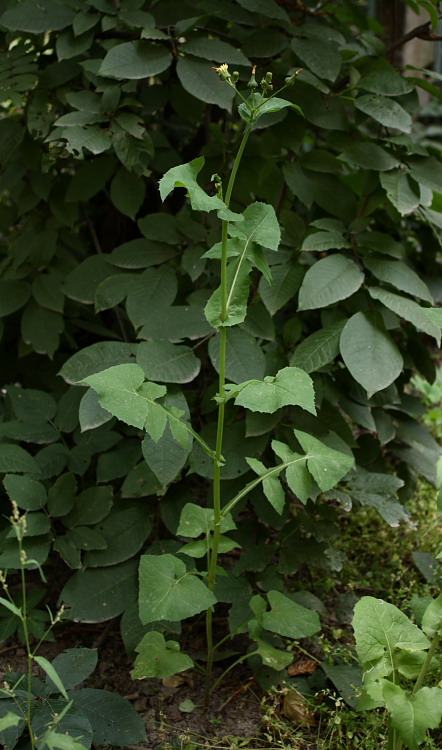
[184,175]
[159,658]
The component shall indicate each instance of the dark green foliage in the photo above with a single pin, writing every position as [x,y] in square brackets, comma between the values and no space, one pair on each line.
[100,100]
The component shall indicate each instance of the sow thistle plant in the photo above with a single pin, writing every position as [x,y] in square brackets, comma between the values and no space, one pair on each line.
[172,587]
[395,652]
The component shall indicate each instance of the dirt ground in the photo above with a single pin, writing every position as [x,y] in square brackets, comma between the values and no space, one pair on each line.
[235,708]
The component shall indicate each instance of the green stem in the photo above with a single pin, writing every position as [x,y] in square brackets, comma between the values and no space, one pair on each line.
[27,643]
[234,664]
[425,666]
[217,461]
[398,745]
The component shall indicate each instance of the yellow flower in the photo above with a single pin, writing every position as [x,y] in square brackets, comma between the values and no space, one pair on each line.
[223,72]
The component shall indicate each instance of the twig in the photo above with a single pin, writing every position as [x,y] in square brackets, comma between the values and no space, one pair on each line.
[8,648]
[423,31]
[99,251]
[103,635]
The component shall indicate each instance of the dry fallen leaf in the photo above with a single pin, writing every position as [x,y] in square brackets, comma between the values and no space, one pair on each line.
[296,709]
[303,666]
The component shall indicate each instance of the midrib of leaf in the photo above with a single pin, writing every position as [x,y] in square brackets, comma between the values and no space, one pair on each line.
[243,255]
[175,583]
[385,631]
[235,278]
[254,483]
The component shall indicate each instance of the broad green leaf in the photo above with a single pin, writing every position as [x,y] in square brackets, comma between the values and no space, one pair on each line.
[271,485]
[288,618]
[413,715]
[286,281]
[168,591]
[407,309]
[289,387]
[46,16]
[167,362]
[46,290]
[318,55]
[91,506]
[328,191]
[320,241]
[52,674]
[245,358]
[95,358]
[329,280]
[113,719]
[214,49]
[122,391]
[268,8]
[185,176]
[386,111]
[400,191]
[434,315]
[238,285]
[166,457]
[369,155]
[156,288]
[61,495]
[100,594]
[27,493]
[134,60]
[13,296]
[432,619]
[399,275]
[199,80]
[273,657]
[16,460]
[127,192]
[381,631]
[369,353]
[124,531]
[318,349]
[9,720]
[260,225]
[327,466]
[159,658]
[383,78]
[41,328]
[90,413]
[427,172]
[175,323]
[160,227]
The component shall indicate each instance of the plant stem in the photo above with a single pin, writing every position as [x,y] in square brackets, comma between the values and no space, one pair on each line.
[231,666]
[425,666]
[29,656]
[420,679]
[213,553]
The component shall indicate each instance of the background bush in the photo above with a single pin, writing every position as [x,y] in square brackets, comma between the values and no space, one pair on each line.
[99,100]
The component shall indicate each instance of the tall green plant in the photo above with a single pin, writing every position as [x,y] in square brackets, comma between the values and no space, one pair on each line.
[167,590]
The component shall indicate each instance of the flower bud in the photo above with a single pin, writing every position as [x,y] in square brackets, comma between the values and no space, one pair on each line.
[235,76]
[290,80]
[252,84]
